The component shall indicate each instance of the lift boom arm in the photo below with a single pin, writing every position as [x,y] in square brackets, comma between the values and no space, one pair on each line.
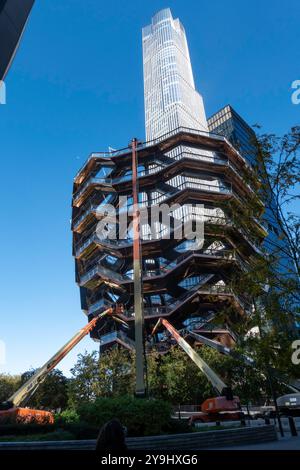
[29,387]
[213,378]
[222,349]
[241,357]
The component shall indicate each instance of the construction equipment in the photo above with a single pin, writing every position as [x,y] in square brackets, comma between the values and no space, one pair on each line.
[221,408]
[10,409]
[287,404]
[221,348]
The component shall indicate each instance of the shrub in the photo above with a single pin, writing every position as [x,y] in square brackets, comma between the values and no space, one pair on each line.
[67,417]
[142,417]
[177,426]
[82,430]
[24,429]
[58,435]
[52,436]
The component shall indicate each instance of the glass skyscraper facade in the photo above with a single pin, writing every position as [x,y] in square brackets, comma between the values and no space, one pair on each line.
[229,123]
[171,100]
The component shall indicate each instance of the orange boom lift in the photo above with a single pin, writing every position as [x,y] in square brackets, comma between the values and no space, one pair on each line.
[11,409]
[221,408]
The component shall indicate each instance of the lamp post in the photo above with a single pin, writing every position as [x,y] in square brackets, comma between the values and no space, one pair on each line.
[269,377]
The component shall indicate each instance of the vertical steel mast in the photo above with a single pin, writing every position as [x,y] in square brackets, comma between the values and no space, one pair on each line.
[137,278]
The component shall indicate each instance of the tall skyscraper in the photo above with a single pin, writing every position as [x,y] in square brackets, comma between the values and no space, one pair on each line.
[171,100]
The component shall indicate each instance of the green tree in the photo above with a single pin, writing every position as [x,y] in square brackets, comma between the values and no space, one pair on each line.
[174,377]
[269,290]
[8,385]
[116,373]
[111,375]
[83,385]
[278,167]
[272,290]
[52,393]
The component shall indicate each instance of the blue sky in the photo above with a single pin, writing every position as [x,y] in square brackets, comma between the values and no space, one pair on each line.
[76,86]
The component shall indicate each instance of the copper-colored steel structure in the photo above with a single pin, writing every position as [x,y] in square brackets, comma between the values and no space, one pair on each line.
[187,286]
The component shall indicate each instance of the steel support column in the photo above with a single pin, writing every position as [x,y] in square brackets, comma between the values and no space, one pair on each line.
[137,278]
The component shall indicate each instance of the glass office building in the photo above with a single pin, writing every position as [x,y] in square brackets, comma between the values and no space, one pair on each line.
[229,123]
[171,100]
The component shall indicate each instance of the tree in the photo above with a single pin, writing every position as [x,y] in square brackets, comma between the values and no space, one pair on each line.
[268,284]
[83,385]
[111,375]
[272,289]
[175,377]
[8,385]
[52,393]
[172,377]
[278,167]
[116,373]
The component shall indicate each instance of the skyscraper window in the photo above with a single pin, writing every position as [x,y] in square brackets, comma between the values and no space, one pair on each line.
[171,100]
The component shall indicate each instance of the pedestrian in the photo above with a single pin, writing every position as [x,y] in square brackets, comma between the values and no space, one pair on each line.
[111,438]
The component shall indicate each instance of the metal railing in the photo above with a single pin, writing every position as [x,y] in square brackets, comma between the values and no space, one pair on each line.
[167,267]
[124,178]
[145,145]
[80,247]
[161,310]
[107,273]
[115,336]
[93,180]
[90,209]
[97,305]
[112,243]
[196,323]
[166,234]
[154,311]
[184,185]
[161,271]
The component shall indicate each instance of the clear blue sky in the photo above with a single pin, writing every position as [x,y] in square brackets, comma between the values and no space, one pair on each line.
[76,86]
